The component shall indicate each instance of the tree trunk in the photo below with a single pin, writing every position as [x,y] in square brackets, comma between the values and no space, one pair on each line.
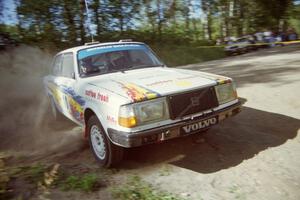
[96,7]
[159,19]
[70,22]
[81,22]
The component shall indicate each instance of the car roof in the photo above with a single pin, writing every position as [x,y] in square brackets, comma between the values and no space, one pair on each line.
[78,48]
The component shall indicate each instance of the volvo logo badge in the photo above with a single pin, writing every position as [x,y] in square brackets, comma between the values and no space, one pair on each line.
[195,101]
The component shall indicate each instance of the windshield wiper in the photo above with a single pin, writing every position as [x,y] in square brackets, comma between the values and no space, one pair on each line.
[144,66]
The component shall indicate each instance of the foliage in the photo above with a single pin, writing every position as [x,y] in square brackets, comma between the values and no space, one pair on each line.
[4,178]
[58,24]
[136,189]
[87,182]
[42,178]
[174,55]
[66,21]
[32,173]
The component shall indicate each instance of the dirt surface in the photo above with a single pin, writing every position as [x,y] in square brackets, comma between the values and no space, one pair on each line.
[255,155]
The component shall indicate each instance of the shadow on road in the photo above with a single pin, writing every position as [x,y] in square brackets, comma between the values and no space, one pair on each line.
[223,146]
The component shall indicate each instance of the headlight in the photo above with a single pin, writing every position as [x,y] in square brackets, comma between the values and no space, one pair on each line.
[143,113]
[226,92]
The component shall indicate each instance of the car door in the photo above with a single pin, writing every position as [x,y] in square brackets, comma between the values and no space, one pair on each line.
[73,103]
[63,88]
[51,85]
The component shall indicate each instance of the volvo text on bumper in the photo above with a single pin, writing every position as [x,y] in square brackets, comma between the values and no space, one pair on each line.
[182,128]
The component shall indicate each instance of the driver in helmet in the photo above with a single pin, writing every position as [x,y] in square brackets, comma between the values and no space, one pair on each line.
[86,66]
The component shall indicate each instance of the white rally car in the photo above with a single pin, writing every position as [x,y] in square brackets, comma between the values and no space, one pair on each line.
[124,96]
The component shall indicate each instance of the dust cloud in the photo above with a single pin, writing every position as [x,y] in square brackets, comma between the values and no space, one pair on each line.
[25,119]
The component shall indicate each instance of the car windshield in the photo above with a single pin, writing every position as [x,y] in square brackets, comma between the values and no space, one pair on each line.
[112,58]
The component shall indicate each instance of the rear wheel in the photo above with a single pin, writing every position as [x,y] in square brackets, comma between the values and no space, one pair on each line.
[105,152]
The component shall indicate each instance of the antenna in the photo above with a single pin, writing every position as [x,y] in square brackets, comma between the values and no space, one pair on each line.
[88,19]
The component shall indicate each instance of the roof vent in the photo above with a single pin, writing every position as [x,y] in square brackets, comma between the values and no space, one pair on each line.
[91,43]
[126,40]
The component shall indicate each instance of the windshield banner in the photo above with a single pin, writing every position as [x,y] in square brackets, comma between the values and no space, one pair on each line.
[108,48]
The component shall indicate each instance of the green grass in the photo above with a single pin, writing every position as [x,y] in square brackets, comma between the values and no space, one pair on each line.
[173,55]
[87,182]
[36,174]
[41,174]
[136,189]
[32,173]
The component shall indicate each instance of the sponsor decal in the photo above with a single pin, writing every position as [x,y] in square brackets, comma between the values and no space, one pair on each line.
[56,93]
[84,53]
[90,93]
[179,82]
[138,93]
[113,46]
[97,95]
[219,79]
[67,100]
[183,83]
[75,103]
[199,125]
[102,97]
[111,119]
[188,77]
[223,81]
[160,82]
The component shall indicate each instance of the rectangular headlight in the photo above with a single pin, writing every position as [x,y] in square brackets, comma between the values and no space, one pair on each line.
[225,92]
[144,113]
[151,111]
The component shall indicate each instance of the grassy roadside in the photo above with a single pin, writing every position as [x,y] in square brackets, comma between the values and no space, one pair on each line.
[136,189]
[174,55]
[41,180]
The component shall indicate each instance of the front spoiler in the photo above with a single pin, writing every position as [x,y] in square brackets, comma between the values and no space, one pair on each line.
[166,132]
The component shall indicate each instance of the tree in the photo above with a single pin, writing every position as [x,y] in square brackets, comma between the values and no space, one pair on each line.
[1,10]
[100,16]
[123,13]
[208,7]
[64,21]
[275,11]
[69,15]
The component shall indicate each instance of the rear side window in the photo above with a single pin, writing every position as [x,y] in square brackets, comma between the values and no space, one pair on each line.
[68,65]
[56,70]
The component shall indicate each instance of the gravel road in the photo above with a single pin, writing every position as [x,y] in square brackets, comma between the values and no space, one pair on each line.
[254,155]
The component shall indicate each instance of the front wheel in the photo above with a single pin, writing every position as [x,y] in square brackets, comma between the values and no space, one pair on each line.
[105,152]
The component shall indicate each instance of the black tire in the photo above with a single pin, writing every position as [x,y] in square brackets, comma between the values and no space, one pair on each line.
[113,153]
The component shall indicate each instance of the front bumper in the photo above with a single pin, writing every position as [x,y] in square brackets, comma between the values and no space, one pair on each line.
[178,129]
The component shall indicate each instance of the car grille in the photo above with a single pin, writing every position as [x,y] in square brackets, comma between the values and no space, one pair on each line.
[192,102]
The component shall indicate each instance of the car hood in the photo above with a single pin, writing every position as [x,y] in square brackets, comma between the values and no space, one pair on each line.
[148,83]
